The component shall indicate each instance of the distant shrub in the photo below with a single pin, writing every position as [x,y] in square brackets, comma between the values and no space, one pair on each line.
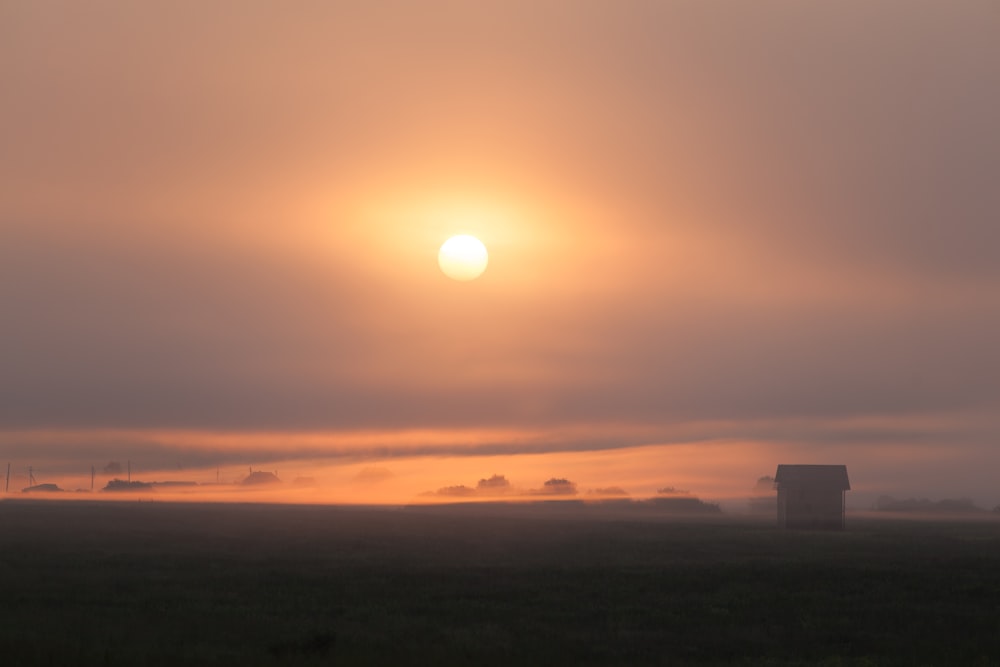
[559,487]
[497,484]
[124,485]
[764,485]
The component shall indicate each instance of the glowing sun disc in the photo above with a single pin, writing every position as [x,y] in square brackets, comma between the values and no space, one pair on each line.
[463,257]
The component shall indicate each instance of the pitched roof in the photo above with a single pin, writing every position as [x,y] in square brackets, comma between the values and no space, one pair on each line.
[261,477]
[812,475]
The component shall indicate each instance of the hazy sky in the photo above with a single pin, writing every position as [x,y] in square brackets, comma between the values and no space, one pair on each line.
[770,228]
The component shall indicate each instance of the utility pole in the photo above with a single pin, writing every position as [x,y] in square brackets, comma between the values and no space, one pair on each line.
[130,471]
[91,479]
[6,486]
[31,476]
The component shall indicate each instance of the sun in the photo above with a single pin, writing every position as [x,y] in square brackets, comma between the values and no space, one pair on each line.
[463,257]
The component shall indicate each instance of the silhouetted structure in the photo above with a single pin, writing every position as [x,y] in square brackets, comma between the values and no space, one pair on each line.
[45,488]
[260,477]
[811,496]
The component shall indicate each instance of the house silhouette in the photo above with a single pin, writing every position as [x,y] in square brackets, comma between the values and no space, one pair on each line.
[260,477]
[811,496]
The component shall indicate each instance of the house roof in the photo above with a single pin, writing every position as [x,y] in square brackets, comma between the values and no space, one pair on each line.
[261,477]
[812,475]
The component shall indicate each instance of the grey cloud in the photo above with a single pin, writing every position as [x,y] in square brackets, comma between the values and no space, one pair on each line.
[852,141]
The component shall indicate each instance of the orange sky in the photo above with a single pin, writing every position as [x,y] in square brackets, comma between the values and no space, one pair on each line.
[748,233]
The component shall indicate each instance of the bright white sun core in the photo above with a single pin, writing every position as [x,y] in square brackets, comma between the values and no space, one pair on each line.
[463,257]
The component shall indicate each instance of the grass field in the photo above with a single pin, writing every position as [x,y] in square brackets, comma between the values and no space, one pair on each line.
[122,583]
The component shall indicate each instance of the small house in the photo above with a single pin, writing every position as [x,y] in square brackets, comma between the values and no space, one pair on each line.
[44,488]
[258,477]
[811,496]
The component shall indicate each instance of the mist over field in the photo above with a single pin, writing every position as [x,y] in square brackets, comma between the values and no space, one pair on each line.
[267,584]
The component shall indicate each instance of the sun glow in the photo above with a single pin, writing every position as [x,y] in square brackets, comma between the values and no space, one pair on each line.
[463,257]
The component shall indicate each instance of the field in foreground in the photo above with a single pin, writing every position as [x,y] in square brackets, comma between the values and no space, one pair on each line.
[166,584]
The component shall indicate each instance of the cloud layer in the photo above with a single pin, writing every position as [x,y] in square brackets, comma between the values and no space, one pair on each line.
[774,223]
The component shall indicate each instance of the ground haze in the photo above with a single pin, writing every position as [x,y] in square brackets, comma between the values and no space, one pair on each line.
[161,583]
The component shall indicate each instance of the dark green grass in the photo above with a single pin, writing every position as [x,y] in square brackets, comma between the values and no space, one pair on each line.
[157,584]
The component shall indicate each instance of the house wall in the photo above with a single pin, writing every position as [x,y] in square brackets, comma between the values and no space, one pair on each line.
[806,507]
